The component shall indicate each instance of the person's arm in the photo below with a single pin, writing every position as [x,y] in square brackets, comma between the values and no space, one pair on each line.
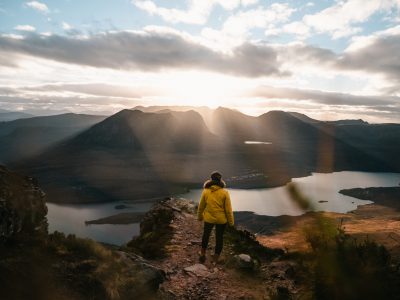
[202,206]
[228,209]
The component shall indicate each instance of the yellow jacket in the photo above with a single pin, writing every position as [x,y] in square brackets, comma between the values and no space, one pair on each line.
[215,206]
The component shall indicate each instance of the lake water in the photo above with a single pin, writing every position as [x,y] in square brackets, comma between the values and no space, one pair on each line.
[318,187]
[257,143]
[271,202]
[70,219]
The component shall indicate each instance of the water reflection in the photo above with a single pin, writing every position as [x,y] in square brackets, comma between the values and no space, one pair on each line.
[70,219]
[257,143]
[272,202]
[321,188]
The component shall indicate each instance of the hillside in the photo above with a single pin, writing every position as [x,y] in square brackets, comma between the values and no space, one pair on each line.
[24,138]
[6,115]
[135,130]
[128,155]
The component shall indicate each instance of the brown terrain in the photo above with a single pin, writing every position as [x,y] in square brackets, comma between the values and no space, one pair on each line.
[379,221]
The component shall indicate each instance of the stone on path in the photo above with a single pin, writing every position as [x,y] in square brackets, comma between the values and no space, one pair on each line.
[198,270]
[244,262]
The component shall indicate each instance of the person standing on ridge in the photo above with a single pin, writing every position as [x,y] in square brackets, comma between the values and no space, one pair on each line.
[214,209]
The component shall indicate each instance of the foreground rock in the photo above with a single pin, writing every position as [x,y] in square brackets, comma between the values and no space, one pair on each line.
[197,270]
[244,262]
[22,205]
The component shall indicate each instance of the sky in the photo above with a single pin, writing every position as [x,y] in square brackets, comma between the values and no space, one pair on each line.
[328,59]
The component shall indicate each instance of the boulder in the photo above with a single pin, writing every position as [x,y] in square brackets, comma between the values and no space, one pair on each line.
[22,206]
[244,262]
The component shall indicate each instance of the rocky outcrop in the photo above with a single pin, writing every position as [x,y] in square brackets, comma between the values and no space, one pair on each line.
[156,228]
[22,205]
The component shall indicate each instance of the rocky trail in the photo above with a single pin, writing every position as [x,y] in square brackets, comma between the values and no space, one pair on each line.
[238,275]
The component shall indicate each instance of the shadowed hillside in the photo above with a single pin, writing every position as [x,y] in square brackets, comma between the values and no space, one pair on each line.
[6,115]
[136,130]
[129,155]
[23,138]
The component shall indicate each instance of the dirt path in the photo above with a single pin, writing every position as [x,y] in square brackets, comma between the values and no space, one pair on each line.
[214,281]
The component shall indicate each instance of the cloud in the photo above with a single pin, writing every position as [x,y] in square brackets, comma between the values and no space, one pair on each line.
[39,6]
[241,22]
[379,54]
[328,105]
[147,51]
[94,89]
[66,26]
[25,28]
[197,12]
[297,28]
[248,2]
[340,18]
[323,97]
[156,50]
[238,26]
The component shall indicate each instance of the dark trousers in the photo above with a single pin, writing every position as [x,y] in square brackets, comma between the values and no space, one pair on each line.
[219,236]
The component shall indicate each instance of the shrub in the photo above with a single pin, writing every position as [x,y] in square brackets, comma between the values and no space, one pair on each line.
[341,267]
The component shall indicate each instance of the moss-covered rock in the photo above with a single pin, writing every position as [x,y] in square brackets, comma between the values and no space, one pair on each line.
[22,206]
[155,231]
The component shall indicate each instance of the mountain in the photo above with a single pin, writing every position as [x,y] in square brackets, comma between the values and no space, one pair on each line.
[204,111]
[381,141]
[348,122]
[26,137]
[6,115]
[234,126]
[136,155]
[130,154]
[136,130]
[303,117]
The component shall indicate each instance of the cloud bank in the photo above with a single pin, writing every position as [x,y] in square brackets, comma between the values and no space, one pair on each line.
[146,51]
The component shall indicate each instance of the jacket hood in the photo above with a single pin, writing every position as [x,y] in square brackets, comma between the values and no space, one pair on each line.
[214,185]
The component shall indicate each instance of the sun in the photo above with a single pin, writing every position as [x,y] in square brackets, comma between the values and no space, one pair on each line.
[202,89]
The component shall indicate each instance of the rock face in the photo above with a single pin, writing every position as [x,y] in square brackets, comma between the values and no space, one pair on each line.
[22,205]
[157,226]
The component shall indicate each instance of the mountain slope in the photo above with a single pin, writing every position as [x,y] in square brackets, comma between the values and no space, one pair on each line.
[6,115]
[136,130]
[131,154]
[27,137]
